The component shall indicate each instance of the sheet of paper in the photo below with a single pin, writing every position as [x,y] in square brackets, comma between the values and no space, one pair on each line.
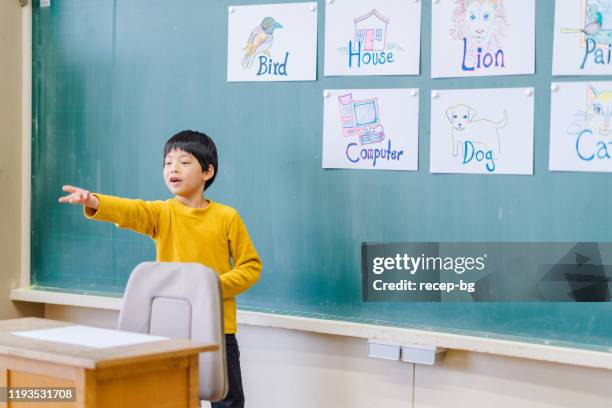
[89,336]
[581,127]
[372,37]
[374,129]
[482,38]
[583,33]
[272,42]
[483,131]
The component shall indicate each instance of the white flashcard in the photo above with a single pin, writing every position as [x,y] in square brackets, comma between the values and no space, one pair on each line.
[583,37]
[372,37]
[482,131]
[375,129]
[580,127]
[272,42]
[482,38]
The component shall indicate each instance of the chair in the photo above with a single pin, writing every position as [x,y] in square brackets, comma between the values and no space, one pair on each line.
[180,300]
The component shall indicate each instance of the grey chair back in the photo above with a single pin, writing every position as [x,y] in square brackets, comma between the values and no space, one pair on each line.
[180,300]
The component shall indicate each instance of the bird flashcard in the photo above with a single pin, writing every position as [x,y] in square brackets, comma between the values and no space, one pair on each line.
[272,42]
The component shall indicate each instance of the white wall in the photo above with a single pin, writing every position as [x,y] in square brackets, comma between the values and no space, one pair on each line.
[319,370]
[288,368]
[483,380]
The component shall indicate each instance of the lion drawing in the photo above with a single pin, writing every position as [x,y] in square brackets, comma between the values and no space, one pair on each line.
[482,23]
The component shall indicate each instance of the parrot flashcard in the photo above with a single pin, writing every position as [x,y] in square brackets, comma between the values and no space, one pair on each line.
[583,37]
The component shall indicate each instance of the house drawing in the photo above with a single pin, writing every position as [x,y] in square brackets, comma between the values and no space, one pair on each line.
[371,31]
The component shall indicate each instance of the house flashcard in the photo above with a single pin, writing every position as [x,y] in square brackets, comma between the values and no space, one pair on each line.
[272,42]
[372,37]
[483,131]
[374,129]
[580,127]
[583,37]
[482,38]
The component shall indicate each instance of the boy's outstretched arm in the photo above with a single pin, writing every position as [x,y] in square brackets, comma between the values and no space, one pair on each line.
[246,262]
[137,215]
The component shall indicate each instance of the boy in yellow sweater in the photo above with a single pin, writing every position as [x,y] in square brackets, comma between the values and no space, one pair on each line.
[190,228]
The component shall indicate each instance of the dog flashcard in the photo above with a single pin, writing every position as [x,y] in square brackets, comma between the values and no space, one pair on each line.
[372,37]
[482,131]
[372,129]
[581,127]
[272,42]
[482,38]
[583,37]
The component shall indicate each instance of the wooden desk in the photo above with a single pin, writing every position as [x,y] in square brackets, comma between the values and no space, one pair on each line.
[156,374]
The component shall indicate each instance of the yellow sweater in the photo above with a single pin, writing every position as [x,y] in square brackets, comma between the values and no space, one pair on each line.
[210,236]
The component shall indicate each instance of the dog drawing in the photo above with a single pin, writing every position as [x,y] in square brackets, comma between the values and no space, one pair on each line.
[481,131]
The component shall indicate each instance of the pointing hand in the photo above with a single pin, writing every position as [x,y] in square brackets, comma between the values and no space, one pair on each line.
[79,196]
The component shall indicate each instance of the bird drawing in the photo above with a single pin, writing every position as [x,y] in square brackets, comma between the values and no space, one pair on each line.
[593,27]
[260,41]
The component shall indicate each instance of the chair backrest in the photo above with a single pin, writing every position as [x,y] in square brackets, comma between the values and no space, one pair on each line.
[180,300]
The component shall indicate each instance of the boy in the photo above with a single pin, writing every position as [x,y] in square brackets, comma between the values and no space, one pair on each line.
[190,228]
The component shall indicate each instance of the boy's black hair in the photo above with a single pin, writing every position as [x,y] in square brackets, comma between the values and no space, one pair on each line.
[198,144]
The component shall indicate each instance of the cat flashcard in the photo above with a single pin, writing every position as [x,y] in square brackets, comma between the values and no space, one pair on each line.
[482,38]
[581,127]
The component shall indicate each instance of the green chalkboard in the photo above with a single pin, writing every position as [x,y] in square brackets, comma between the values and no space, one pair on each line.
[112,80]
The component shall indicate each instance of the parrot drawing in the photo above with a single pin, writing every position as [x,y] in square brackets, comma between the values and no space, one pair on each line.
[593,27]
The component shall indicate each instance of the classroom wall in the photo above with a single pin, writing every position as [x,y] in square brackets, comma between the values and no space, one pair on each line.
[284,368]
[291,368]
[10,159]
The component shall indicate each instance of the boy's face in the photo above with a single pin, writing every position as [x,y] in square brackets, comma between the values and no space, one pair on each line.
[183,174]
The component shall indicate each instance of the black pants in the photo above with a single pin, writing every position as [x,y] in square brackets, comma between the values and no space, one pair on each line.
[235,395]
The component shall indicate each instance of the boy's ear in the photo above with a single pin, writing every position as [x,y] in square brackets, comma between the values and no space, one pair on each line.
[209,173]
